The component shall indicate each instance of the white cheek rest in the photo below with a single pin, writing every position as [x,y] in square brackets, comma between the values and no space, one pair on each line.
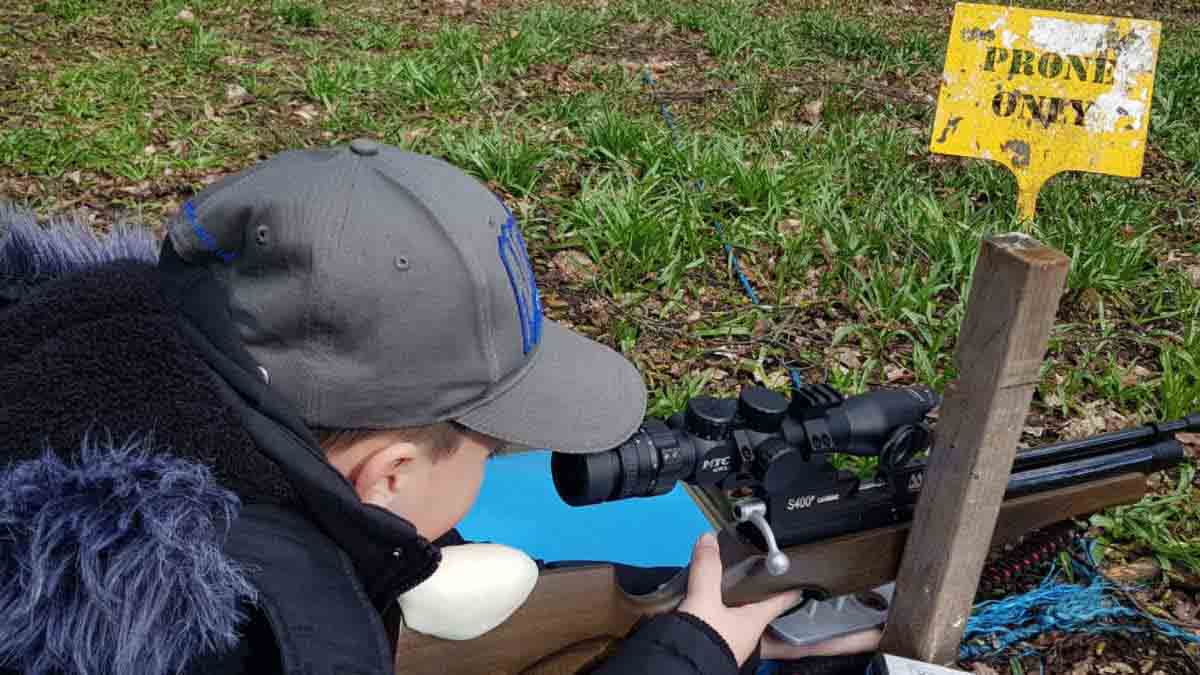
[475,588]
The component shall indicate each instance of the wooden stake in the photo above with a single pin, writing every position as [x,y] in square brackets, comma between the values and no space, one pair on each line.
[1002,342]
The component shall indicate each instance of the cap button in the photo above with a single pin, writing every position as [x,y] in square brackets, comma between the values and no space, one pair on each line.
[364,147]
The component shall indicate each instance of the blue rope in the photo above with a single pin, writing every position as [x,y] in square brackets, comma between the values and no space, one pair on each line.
[698,186]
[996,625]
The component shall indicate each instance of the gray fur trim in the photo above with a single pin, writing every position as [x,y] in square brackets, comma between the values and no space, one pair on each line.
[33,253]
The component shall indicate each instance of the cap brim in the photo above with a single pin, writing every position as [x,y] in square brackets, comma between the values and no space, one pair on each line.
[579,396]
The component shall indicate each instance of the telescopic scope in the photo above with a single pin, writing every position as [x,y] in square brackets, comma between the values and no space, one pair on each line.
[760,436]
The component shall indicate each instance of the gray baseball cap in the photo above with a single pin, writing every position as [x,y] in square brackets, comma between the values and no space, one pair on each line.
[379,288]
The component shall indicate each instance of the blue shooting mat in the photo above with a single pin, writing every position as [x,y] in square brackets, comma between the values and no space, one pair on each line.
[518,506]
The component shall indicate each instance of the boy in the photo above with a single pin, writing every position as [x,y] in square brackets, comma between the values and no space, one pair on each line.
[255,446]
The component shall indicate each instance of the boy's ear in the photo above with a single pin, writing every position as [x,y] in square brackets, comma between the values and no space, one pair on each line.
[379,475]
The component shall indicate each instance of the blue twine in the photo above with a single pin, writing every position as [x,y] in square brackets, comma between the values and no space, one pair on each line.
[996,625]
[698,186]
[797,381]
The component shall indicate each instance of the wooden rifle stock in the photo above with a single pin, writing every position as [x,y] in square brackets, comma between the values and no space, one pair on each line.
[575,614]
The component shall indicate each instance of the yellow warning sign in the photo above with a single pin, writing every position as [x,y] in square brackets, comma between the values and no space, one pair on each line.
[1043,92]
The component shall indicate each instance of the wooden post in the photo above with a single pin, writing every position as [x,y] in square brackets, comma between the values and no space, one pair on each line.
[1002,342]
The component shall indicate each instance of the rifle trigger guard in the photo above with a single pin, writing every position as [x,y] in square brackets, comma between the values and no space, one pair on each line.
[754,511]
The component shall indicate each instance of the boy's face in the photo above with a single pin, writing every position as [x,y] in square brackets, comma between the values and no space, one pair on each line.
[430,487]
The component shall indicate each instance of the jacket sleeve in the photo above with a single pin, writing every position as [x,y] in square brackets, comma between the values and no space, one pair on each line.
[677,643]
[256,652]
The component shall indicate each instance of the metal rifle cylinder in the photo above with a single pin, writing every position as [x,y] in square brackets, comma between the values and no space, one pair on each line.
[1057,453]
[1147,458]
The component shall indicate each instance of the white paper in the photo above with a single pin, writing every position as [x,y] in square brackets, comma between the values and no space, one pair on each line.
[899,666]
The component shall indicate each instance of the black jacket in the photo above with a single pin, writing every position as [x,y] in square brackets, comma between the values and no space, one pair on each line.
[163,510]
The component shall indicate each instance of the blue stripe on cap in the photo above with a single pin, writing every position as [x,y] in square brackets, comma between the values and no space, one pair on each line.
[189,211]
[520,275]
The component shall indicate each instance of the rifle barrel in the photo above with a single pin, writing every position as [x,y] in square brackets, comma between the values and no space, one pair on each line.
[1143,459]
[1066,451]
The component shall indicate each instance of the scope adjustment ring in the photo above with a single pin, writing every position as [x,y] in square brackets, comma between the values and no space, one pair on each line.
[710,418]
[777,464]
[761,409]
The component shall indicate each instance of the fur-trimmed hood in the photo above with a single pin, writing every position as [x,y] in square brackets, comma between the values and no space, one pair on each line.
[133,427]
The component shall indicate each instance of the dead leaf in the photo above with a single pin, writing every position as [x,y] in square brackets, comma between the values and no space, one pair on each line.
[1115,421]
[209,113]
[1084,667]
[983,669]
[656,64]
[1135,376]
[307,112]
[180,148]
[760,328]
[1184,609]
[1142,569]
[149,150]
[848,357]
[789,226]
[413,135]
[138,190]
[75,177]
[237,94]
[1090,299]
[897,374]
[185,15]
[1084,426]
[1191,443]
[812,111]
[1096,417]
[1193,272]
[1036,432]
[575,265]
[693,317]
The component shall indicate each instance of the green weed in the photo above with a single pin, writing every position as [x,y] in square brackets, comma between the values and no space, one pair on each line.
[297,14]
[1167,525]
[499,156]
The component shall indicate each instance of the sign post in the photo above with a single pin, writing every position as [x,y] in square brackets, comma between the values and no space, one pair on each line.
[1040,92]
[1043,92]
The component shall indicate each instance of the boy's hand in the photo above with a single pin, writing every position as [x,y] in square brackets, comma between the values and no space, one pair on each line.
[743,627]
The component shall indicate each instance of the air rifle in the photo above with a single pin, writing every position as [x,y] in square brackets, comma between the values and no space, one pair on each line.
[759,467]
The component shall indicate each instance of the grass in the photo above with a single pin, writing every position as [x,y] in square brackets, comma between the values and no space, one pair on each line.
[297,14]
[1167,525]
[799,128]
